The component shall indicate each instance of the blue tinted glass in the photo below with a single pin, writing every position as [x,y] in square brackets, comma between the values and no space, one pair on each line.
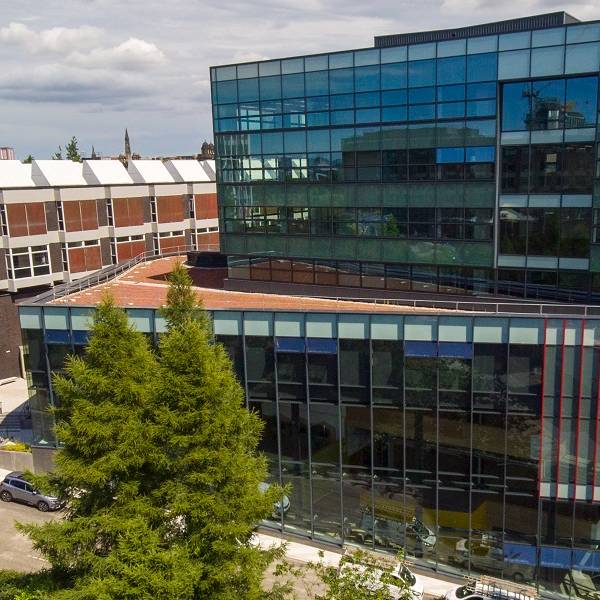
[548,37]
[294,120]
[482,67]
[395,113]
[395,97]
[248,89]
[366,78]
[450,155]
[421,95]
[317,83]
[421,112]
[292,85]
[316,63]
[317,103]
[227,110]
[515,106]
[421,72]
[480,153]
[451,70]
[228,125]
[367,100]
[57,336]
[341,81]
[420,348]
[294,142]
[317,119]
[294,105]
[555,557]
[321,346]
[227,91]
[455,350]
[481,129]
[270,87]
[582,100]
[447,93]
[272,143]
[449,110]
[342,117]
[342,139]
[342,101]
[80,338]
[318,140]
[520,554]
[481,108]
[367,115]
[547,61]
[393,76]
[249,124]
[271,106]
[477,91]
[271,122]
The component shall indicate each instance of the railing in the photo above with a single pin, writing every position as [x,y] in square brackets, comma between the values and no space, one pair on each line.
[112,271]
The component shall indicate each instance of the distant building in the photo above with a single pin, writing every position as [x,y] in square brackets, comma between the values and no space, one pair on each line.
[7,153]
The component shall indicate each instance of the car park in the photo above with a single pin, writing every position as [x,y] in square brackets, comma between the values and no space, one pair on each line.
[15,488]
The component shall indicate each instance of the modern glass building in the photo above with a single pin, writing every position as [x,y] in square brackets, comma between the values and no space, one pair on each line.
[460,161]
[471,441]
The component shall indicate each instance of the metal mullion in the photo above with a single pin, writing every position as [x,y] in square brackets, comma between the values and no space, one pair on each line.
[579,401]
[309,441]
[471,415]
[244,358]
[597,427]
[277,420]
[560,405]
[542,391]
[437,436]
[339,414]
[371,409]
[404,432]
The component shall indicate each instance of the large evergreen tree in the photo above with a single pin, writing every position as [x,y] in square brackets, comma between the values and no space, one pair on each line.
[159,466]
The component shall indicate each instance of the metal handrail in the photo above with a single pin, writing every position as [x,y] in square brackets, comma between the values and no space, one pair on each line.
[112,271]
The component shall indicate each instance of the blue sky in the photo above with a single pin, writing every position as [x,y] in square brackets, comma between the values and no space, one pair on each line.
[90,68]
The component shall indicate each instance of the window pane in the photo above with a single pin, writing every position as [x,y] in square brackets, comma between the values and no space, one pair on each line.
[515,106]
[513,230]
[581,102]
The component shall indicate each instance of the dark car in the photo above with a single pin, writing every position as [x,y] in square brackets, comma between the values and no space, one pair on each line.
[15,488]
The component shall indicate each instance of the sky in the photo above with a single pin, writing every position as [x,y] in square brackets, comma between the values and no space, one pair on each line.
[91,68]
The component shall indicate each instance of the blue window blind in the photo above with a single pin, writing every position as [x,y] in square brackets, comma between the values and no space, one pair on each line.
[321,346]
[422,349]
[57,336]
[289,344]
[80,338]
[520,554]
[455,350]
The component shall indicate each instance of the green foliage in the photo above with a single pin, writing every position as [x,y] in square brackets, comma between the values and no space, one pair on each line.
[25,586]
[159,467]
[28,160]
[72,150]
[182,305]
[58,154]
[360,576]
[16,447]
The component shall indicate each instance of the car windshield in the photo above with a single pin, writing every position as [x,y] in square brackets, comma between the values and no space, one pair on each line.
[420,528]
[406,576]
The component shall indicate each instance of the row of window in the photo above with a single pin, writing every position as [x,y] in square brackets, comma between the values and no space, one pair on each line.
[350,139]
[531,283]
[395,97]
[550,104]
[28,262]
[554,36]
[548,168]
[414,223]
[564,232]
[420,73]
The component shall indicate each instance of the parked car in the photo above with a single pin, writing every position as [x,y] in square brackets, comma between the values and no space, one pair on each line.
[15,488]
[279,505]
[395,581]
[484,591]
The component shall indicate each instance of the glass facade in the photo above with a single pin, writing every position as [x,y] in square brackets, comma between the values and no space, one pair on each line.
[471,442]
[411,155]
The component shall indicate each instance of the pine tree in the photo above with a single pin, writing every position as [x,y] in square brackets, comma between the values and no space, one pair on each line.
[58,154]
[210,450]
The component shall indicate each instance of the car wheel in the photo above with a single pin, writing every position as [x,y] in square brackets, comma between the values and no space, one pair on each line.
[518,577]
[6,496]
[43,506]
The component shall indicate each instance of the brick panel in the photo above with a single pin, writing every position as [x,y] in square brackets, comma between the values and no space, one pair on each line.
[101,212]
[17,219]
[171,243]
[80,215]
[3,271]
[93,258]
[127,250]
[208,241]
[128,212]
[105,251]
[206,206]
[171,209]
[89,214]
[36,218]
[77,260]
[56,258]
[71,216]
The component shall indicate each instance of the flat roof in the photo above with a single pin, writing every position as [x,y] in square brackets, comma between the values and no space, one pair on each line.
[106,172]
[189,170]
[13,173]
[56,173]
[149,171]
[145,286]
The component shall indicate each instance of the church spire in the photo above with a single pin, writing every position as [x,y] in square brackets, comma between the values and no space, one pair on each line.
[127,145]
[94,156]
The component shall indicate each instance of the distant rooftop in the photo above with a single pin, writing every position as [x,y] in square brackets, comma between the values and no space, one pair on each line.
[554,19]
[65,173]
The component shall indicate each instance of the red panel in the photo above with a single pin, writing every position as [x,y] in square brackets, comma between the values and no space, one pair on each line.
[93,258]
[17,219]
[171,209]
[172,243]
[72,215]
[120,212]
[138,248]
[206,206]
[77,260]
[136,211]
[89,214]
[127,250]
[36,218]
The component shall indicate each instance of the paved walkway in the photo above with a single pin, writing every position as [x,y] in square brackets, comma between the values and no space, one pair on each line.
[434,587]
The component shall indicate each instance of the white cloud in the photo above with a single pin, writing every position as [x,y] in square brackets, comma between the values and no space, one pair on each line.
[131,55]
[57,39]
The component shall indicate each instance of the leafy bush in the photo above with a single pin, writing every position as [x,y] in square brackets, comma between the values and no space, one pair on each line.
[16,447]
